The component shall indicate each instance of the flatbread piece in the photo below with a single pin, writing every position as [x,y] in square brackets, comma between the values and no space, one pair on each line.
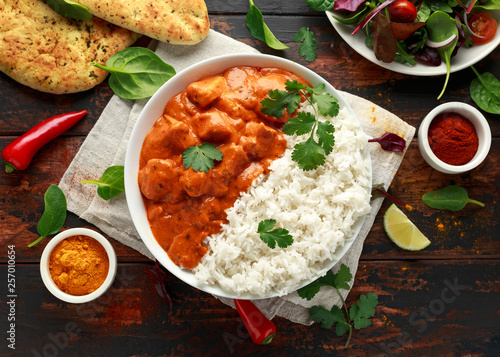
[51,53]
[181,22]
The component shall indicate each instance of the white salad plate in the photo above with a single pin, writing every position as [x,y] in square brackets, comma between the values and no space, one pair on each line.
[465,57]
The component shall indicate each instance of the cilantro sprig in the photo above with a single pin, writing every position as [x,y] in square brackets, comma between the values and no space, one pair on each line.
[309,45]
[311,153]
[357,316]
[271,236]
[201,157]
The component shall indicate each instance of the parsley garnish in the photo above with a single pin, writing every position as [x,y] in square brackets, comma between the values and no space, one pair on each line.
[311,153]
[358,316]
[271,237]
[308,47]
[201,157]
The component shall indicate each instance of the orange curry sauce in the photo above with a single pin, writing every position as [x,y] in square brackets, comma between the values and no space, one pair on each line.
[185,206]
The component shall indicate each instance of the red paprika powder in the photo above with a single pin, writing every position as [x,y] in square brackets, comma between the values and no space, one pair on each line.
[453,138]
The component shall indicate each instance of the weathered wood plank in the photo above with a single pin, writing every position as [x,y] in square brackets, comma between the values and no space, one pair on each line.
[424,307]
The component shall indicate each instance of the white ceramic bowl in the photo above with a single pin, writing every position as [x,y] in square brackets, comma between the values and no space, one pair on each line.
[480,124]
[47,278]
[154,109]
[465,57]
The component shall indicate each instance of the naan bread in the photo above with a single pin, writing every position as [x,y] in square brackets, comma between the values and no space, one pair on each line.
[52,53]
[182,22]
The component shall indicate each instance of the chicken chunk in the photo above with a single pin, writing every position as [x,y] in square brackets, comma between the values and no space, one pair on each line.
[258,139]
[179,136]
[214,126]
[206,91]
[159,180]
[195,183]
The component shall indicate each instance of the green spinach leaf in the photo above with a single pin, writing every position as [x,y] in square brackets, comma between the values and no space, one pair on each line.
[111,183]
[54,215]
[258,29]
[442,26]
[485,92]
[451,198]
[487,5]
[70,9]
[136,72]
[321,5]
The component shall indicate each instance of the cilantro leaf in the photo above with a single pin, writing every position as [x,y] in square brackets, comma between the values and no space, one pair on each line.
[271,237]
[328,105]
[278,101]
[325,139]
[310,290]
[201,157]
[294,86]
[309,46]
[364,309]
[303,123]
[309,154]
[343,277]
[328,318]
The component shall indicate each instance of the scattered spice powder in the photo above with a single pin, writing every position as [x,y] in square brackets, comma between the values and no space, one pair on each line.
[453,138]
[79,265]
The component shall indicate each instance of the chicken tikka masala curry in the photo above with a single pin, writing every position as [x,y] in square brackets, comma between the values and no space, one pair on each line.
[185,206]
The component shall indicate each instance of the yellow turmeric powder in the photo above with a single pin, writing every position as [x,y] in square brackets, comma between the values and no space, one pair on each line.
[79,265]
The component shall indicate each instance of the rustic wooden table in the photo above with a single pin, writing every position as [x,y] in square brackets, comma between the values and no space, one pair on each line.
[443,300]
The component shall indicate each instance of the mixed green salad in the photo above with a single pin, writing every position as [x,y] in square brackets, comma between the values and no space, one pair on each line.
[423,31]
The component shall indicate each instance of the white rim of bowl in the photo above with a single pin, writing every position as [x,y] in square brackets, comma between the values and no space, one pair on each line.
[131,185]
[45,271]
[480,124]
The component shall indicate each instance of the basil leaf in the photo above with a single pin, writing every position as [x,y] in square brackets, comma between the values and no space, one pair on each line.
[70,9]
[258,29]
[485,92]
[54,215]
[451,198]
[111,183]
[136,72]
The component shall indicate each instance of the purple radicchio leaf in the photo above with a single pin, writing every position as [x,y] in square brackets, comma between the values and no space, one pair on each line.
[158,277]
[390,142]
[429,56]
[348,5]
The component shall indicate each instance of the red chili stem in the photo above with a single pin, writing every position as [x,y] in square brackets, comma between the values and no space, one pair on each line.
[260,328]
[382,192]
[19,153]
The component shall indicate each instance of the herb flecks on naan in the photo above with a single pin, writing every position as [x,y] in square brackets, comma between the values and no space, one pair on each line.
[51,53]
[176,21]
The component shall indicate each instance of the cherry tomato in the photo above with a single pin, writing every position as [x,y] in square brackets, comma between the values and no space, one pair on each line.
[483,24]
[402,11]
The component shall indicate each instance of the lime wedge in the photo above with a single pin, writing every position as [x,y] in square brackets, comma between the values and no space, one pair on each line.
[402,231]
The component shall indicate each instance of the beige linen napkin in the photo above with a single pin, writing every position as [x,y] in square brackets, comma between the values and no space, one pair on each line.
[106,145]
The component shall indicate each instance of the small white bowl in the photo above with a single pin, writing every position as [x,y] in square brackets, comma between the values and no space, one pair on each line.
[482,129]
[51,285]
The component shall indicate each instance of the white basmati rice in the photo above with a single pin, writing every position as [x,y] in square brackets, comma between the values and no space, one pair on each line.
[319,208]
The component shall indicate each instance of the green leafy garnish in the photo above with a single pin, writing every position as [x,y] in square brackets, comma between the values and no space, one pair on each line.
[309,46]
[358,316]
[271,237]
[451,198]
[309,154]
[111,183]
[258,28]
[321,5]
[70,9]
[136,72]
[485,92]
[201,157]
[54,214]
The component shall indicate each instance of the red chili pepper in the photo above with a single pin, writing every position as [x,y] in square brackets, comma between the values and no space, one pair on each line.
[18,154]
[260,328]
